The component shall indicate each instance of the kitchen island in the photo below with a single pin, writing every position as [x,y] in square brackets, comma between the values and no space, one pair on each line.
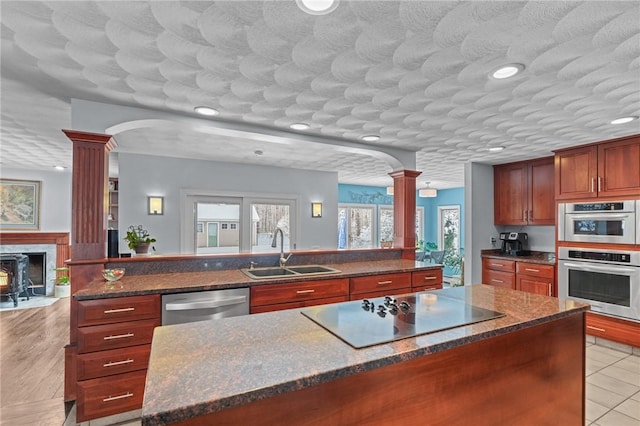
[526,367]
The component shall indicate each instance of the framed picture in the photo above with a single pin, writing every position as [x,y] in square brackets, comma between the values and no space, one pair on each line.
[19,204]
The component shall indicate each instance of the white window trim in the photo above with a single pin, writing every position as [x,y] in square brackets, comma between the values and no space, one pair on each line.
[440,236]
[419,213]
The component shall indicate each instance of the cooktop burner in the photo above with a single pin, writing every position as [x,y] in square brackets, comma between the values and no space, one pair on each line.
[371,322]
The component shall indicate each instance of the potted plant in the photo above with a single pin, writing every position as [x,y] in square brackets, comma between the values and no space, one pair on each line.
[139,240]
[62,283]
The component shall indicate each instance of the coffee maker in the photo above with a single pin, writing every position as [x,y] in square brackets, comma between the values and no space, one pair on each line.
[515,243]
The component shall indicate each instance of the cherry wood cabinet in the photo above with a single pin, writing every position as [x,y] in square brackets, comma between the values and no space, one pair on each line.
[114,341]
[426,280]
[606,169]
[380,285]
[618,330]
[535,278]
[275,297]
[524,193]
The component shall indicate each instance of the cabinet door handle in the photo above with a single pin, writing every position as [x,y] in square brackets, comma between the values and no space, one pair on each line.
[550,290]
[524,215]
[593,185]
[113,398]
[599,184]
[430,278]
[385,282]
[114,311]
[532,270]
[496,281]
[597,329]
[118,336]
[305,291]
[114,363]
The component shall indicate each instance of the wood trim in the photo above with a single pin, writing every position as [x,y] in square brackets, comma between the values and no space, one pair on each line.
[591,144]
[60,239]
[404,210]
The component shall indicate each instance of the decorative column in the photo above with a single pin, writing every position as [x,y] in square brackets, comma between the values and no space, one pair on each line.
[89,203]
[404,211]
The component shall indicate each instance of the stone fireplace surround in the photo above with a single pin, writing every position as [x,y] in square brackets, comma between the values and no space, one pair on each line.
[54,244]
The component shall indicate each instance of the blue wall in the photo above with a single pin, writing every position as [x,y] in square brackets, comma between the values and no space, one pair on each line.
[360,194]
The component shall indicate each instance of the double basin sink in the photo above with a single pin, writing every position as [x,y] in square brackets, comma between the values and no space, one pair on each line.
[289,271]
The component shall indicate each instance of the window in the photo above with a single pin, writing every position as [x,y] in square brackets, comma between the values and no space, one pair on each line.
[269,217]
[234,225]
[356,226]
[225,226]
[449,228]
[386,223]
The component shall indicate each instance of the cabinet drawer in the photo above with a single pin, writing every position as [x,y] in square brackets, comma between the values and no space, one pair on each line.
[110,395]
[115,361]
[299,304]
[426,287]
[429,278]
[499,278]
[380,283]
[535,269]
[499,264]
[112,336]
[618,330]
[298,291]
[107,311]
[381,293]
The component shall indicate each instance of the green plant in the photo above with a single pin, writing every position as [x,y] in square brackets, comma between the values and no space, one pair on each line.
[452,260]
[63,279]
[137,235]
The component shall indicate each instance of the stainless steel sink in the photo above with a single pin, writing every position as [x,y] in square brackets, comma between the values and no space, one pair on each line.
[291,271]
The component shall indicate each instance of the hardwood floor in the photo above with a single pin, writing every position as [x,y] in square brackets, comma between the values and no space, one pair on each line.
[32,365]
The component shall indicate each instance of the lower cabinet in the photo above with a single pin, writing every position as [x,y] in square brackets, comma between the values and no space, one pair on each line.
[380,285]
[114,341]
[499,272]
[275,297]
[426,280]
[615,329]
[525,276]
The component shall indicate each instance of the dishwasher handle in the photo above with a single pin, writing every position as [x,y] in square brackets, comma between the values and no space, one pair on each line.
[205,304]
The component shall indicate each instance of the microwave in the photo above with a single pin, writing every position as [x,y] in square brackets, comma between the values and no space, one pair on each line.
[616,222]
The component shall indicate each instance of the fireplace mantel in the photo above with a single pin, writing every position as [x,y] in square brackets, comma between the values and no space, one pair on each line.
[60,239]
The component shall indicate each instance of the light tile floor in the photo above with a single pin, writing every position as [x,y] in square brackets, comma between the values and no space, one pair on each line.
[613,387]
[613,390]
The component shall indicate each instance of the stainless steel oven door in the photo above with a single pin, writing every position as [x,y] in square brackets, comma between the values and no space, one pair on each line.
[617,228]
[608,288]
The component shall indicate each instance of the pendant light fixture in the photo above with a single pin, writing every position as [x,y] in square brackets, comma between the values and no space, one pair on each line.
[428,192]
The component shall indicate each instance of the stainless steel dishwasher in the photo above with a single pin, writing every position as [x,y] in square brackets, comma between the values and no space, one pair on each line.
[204,305]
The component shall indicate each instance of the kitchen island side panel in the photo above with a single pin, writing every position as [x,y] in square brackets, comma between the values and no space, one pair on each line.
[530,376]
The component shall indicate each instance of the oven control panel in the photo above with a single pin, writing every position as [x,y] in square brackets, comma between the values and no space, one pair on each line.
[599,255]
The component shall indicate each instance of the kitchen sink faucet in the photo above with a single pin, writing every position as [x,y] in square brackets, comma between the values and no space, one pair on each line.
[274,243]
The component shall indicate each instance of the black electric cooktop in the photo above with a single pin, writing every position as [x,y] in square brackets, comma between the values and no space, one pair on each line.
[379,320]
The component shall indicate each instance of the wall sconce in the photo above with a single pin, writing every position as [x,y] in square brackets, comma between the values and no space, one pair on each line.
[155,205]
[316,209]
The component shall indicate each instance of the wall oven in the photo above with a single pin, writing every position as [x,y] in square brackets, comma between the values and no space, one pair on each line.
[609,280]
[602,222]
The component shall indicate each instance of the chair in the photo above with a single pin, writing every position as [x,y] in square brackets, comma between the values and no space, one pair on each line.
[437,256]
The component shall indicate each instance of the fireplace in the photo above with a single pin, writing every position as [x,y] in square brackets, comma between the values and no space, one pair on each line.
[38,273]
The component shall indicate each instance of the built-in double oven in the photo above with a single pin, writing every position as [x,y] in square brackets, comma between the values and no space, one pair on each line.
[614,222]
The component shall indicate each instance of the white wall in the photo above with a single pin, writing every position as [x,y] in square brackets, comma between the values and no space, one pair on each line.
[541,238]
[478,200]
[141,175]
[55,196]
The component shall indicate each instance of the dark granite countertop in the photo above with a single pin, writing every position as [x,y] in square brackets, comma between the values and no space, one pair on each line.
[204,367]
[138,285]
[540,257]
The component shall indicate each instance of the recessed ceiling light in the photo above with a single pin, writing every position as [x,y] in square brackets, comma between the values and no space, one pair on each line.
[623,120]
[317,7]
[370,138]
[496,148]
[299,126]
[203,110]
[507,71]
[59,167]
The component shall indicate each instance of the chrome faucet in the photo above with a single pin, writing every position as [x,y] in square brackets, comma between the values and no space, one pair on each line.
[274,243]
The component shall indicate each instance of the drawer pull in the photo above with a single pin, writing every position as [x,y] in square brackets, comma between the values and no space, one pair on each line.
[497,264]
[115,311]
[597,329]
[550,290]
[113,398]
[430,278]
[118,336]
[305,291]
[496,281]
[114,363]
[532,270]
[385,282]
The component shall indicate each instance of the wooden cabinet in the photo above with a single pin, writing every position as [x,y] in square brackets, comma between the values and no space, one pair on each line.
[524,193]
[114,341]
[299,294]
[380,285]
[525,276]
[606,169]
[615,329]
[426,280]
[535,278]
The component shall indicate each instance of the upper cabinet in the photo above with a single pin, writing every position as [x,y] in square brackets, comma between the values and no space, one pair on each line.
[523,193]
[607,169]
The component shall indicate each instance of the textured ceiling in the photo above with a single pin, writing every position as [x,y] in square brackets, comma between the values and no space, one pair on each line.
[413,72]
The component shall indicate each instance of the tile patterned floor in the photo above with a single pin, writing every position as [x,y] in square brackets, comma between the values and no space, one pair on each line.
[613,387]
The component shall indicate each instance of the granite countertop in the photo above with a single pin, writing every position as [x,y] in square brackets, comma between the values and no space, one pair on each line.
[233,361]
[540,257]
[138,285]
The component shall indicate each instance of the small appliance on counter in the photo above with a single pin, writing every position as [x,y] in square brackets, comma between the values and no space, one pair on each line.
[515,243]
